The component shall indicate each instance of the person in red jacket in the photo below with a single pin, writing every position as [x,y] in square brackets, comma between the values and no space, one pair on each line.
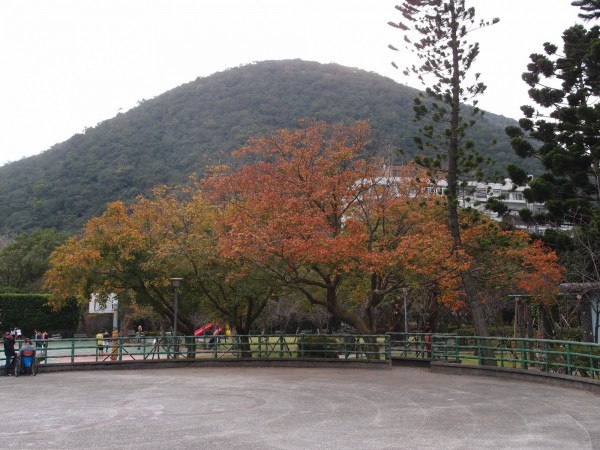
[428,342]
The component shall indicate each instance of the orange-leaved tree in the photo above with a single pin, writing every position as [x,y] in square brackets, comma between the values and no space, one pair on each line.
[313,213]
[123,252]
[509,261]
[135,251]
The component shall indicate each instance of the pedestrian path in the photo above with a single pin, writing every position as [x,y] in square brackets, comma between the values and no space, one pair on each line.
[293,408]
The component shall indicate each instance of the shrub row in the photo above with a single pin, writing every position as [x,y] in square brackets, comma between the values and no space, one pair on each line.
[31,311]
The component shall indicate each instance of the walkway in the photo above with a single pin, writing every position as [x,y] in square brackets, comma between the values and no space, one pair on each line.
[259,408]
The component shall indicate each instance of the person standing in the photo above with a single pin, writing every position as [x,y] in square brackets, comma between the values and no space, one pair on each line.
[106,337]
[9,352]
[428,342]
[100,342]
[44,339]
[37,337]
[139,334]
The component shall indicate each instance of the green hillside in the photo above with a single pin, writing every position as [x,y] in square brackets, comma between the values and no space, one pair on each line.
[165,139]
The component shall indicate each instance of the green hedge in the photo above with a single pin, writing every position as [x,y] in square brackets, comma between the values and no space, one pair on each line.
[31,311]
[493,330]
[569,334]
[318,346]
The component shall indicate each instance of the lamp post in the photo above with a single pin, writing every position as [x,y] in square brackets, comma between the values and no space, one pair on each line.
[405,292]
[115,331]
[176,283]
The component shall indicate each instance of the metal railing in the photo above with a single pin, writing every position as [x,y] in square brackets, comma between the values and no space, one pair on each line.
[550,356]
[564,357]
[412,345]
[343,346]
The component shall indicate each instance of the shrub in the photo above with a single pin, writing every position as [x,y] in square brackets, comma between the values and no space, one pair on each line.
[318,346]
[569,334]
[31,311]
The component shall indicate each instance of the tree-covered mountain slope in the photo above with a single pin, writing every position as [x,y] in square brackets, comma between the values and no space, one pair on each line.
[165,139]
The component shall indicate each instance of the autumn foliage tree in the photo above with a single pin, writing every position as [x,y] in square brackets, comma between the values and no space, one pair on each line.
[118,252]
[313,216]
[316,216]
[134,251]
[507,261]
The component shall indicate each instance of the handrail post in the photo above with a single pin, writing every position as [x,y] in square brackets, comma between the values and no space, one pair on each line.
[388,347]
[72,351]
[281,346]
[345,345]
[523,354]
[569,359]
[478,347]
[591,361]
[457,350]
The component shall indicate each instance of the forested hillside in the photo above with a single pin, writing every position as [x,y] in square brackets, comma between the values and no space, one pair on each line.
[165,139]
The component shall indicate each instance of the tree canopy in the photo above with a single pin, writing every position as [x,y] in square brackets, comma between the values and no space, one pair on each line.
[566,123]
[311,217]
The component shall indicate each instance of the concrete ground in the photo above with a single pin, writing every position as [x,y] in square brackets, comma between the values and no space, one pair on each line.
[291,408]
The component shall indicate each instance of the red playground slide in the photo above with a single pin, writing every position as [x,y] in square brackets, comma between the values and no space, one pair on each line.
[200,331]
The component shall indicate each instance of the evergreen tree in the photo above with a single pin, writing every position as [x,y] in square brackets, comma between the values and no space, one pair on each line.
[566,89]
[564,134]
[437,32]
[591,8]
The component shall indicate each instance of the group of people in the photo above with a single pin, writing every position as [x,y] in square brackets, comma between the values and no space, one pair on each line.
[16,333]
[11,354]
[40,338]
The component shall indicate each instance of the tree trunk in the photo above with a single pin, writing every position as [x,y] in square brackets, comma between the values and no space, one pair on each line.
[469,283]
[546,329]
[245,349]
[585,309]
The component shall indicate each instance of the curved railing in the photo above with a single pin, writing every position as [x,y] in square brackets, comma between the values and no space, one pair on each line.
[343,346]
[534,355]
[542,355]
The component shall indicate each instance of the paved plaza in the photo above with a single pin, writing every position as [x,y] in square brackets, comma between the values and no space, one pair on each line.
[292,408]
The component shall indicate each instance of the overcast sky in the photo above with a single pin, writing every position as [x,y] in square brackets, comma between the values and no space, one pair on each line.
[70,64]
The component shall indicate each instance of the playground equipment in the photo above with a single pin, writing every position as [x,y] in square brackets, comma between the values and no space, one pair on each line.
[217,329]
[203,329]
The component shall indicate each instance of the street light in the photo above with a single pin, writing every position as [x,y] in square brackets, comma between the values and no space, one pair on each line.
[176,283]
[115,332]
[405,292]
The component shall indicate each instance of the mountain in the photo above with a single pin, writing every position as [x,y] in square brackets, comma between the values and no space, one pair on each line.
[167,138]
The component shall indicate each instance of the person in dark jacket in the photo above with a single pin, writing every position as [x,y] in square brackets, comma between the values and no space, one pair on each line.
[9,352]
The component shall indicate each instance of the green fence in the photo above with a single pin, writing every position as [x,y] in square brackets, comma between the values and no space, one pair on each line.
[412,345]
[346,346]
[564,357]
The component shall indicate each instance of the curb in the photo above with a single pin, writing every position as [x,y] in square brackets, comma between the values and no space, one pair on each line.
[551,379]
[178,363]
